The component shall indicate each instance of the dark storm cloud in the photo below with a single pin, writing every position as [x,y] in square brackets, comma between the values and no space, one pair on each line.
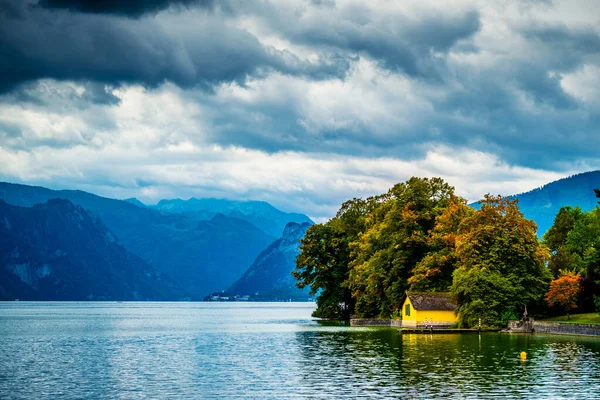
[398,43]
[580,40]
[37,43]
[129,8]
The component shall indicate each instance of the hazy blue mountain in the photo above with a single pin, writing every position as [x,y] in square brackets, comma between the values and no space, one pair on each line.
[135,202]
[259,213]
[58,251]
[542,204]
[199,255]
[211,255]
[271,273]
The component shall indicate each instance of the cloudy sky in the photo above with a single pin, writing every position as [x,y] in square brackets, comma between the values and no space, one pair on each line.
[300,103]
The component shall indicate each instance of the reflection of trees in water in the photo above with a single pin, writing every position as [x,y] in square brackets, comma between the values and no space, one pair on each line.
[383,363]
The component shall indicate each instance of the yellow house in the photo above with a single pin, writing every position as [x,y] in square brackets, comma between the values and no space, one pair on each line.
[428,309]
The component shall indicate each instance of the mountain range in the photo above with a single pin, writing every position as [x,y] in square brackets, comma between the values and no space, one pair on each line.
[259,213]
[199,254]
[58,251]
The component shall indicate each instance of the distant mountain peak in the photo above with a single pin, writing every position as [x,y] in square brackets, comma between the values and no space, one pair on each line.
[294,231]
[259,213]
[135,202]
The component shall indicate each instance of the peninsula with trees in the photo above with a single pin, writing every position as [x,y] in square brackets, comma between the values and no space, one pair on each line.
[420,237]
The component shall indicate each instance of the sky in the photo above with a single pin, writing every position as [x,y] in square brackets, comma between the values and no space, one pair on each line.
[303,104]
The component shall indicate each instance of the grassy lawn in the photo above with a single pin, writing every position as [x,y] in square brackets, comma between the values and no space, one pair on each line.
[589,318]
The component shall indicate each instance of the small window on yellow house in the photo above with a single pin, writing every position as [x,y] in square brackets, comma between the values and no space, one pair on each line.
[407,310]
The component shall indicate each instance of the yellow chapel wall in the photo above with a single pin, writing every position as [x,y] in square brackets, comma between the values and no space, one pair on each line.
[410,320]
[435,317]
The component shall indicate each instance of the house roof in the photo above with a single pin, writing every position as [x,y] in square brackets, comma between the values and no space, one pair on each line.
[431,301]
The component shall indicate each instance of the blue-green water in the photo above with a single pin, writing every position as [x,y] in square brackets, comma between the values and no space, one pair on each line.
[269,350]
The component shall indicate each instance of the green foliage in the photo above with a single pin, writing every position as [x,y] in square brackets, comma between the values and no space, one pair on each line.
[584,318]
[501,263]
[507,315]
[396,239]
[434,272]
[556,236]
[324,259]
[575,243]
[322,265]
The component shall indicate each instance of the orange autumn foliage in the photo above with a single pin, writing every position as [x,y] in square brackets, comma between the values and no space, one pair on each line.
[564,291]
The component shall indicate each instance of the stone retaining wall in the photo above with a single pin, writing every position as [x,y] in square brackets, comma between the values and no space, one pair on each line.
[560,328]
[394,323]
[370,322]
[566,329]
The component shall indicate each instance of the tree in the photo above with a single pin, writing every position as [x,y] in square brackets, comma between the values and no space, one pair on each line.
[322,265]
[556,236]
[434,272]
[395,240]
[574,239]
[564,292]
[501,263]
[597,191]
[325,257]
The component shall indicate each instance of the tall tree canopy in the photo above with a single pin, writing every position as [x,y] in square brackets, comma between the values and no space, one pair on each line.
[434,272]
[324,259]
[501,263]
[396,238]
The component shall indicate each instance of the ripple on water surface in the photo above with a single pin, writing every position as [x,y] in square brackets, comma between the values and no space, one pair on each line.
[276,350]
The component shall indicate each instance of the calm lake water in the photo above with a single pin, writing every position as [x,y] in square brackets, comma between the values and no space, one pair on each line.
[269,351]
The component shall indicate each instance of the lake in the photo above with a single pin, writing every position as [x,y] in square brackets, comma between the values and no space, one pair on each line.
[269,351]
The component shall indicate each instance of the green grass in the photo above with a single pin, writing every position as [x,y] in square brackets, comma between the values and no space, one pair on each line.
[589,318]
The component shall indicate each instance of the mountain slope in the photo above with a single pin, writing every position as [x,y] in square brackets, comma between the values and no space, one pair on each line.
[259,213]
[198,255]
[211,255]
[542,204]
[58,251]
[271,273]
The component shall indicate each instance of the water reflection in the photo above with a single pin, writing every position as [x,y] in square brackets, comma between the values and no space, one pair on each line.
[384,364]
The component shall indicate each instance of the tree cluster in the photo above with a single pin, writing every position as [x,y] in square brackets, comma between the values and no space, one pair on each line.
[574,242]
[420,236]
